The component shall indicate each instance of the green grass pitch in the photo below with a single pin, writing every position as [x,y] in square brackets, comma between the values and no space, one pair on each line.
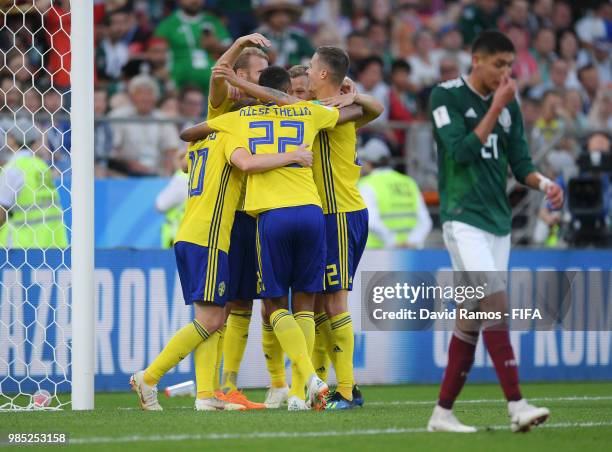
[393,418]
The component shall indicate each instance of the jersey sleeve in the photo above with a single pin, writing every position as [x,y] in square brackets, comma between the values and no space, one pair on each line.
[449,127]
[223,107]
[225,123]
[324,117]
[518,155]
[233,142]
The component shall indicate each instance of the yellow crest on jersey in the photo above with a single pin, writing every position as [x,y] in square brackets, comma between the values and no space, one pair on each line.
[221,289]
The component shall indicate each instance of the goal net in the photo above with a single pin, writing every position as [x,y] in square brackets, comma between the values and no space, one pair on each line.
[35,204]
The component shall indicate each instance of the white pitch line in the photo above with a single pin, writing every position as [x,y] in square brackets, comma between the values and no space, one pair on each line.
[432,402]
[273,435]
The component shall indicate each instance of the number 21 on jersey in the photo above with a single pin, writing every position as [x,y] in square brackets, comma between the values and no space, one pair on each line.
[489,150]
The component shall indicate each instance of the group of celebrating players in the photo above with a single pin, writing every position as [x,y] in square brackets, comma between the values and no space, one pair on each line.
[274,213]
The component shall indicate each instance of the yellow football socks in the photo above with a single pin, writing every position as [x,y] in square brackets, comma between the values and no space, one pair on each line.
[236,335]
[343,344]
[320,355]
[275,359]
[180,345]
[219,357]
[205,359]
[305,320]
[292,340]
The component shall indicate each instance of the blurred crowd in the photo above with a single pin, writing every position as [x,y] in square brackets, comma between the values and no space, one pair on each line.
[153,61]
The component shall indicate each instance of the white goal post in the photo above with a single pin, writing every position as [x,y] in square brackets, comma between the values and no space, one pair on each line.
[82,124]
[47,298]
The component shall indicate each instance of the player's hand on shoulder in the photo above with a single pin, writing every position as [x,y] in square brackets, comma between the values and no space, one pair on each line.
[348,86]
[303,155]
[554,194]
[342,100]
[254,39]
[505,92]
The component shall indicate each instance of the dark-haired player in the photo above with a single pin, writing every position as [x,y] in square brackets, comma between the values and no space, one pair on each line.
[478,129]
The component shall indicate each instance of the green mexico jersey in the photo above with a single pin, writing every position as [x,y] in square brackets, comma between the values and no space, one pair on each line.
[472,177]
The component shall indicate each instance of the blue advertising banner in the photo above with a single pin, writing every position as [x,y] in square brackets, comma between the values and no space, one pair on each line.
[139,306]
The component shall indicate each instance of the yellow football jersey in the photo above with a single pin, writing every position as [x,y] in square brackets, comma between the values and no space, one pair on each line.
[335,169]
[270,129]
[214,192]
[223,108]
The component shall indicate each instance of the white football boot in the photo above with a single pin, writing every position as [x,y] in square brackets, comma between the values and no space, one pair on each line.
[215,404]
[147,395]
[316,393]
[524,416]
[275,397]
[294,403]
[443,420]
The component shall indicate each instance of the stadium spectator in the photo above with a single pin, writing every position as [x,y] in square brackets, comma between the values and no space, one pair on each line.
[191,104]
[479,16]
[568,49]
[588,76]
[449,68]
[572,104]
[290,46]
[57,23]
[543,51]
[358,50]
[601,58]
[600,116]
[525,68]
[451,45]
[378,38]
[370,81]
[32,100]
[397,213]
[103,136]
[540,15]
[559,80]
[113,51]
[595,25]
[425,71]
[183,29]
[402,98]
[11,95]
[561,16]
[154,62]
[142,148]
[531,113]
[516,15]
[406,21]
[550,125]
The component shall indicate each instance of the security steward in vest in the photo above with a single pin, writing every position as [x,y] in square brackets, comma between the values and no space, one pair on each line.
[398,214]
[31,214]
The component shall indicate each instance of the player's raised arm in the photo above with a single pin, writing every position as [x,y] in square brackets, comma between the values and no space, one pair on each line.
[250,163]
[262,93]
[218,85]
[350,113]
[372,108]
[196,132]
